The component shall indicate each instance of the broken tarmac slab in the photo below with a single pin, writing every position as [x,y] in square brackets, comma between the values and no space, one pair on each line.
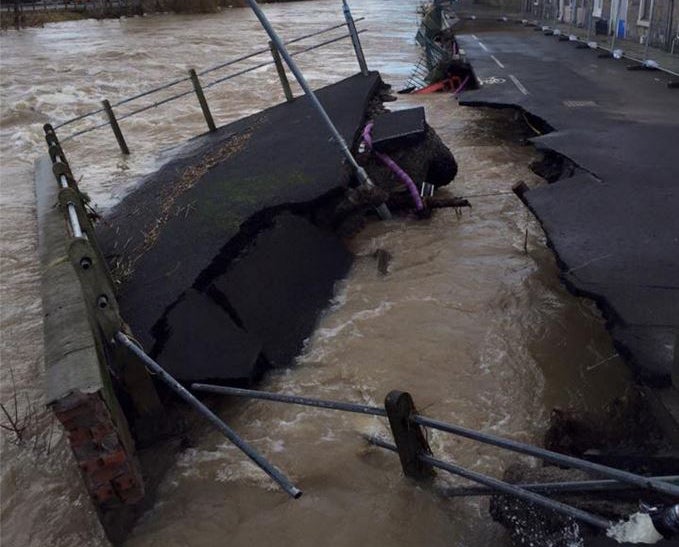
[614,224]
[220,275]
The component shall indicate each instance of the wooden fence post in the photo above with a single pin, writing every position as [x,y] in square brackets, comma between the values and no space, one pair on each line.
[201,99]
[408,436]
[116,128]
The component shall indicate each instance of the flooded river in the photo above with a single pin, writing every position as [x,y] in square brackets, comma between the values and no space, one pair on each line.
[469,319]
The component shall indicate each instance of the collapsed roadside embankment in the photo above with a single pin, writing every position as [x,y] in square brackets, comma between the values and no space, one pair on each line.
[232,248]
[609,214]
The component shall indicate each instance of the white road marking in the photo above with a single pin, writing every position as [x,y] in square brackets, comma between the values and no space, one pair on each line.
[474,36]
[483,46]
[518,84]
[497,61]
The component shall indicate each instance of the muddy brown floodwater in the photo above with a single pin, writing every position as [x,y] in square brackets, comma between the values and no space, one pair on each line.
[473,324]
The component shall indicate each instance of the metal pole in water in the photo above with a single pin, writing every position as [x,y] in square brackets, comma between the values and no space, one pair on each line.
[506,488]
[354,38]
[554,457]
[362,176]
[229,433]
[605,485]
[291,399]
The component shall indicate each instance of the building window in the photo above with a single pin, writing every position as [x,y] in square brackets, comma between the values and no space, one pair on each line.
[645,12]
[598,8]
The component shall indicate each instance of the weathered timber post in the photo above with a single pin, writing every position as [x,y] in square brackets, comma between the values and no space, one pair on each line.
[201,99]
[116,128]
[354,38]
[408,436]
[281,72]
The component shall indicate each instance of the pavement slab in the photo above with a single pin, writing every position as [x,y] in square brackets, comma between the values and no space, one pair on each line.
[614,225]
[171,242]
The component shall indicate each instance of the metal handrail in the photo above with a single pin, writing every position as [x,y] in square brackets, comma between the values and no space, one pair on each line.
[505,487]
[548,455]
[207,86]
[649,483]
[561,487]
[291,399]
[200,73]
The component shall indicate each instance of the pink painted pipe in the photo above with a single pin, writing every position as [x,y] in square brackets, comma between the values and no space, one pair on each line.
[391,164]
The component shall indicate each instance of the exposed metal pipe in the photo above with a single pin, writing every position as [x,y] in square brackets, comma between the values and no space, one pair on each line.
[506,488]
[554,487]
[548,455]
[361,174]
[74,221]
[291,399]
[229,433]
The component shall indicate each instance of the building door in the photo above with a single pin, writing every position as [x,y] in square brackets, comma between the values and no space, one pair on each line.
[618,19]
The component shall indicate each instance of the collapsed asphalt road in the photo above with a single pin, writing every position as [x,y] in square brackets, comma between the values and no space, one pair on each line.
[226,256]
[214,228]
[614,224]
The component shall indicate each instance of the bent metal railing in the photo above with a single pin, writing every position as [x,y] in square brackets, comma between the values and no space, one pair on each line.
[112,120]
[406,424]
[83,250]
[417,461]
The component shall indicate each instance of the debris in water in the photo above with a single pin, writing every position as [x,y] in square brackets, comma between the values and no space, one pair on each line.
[637,529]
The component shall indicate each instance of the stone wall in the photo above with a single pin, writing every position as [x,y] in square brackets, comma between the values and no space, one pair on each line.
[664,27]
